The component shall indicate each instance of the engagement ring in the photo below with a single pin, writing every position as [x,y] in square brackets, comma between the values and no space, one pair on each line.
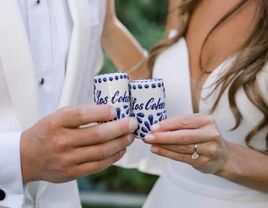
[195,155]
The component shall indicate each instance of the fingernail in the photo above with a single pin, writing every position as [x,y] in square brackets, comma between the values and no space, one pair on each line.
[154,149]
[149,137]
[155,127]
[133,124]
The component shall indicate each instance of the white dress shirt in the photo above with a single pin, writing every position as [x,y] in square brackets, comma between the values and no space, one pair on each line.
[48,24]
[50,52]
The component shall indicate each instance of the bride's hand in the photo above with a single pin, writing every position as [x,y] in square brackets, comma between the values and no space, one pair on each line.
[193,139]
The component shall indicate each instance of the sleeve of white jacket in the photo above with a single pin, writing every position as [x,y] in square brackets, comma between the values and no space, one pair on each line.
[10,174]
[138,155]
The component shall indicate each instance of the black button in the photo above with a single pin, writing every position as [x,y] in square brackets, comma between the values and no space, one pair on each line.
[37,1]
[42,81]
[2,195]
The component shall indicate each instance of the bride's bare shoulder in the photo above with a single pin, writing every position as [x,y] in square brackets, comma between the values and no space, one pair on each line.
[226,38]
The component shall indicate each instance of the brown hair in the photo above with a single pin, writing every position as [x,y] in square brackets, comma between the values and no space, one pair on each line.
[250,60]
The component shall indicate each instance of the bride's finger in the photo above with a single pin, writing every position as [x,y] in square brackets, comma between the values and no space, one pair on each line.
[182,137]
[210,150]
[201,163]
[186,149]
[186,158]
[192,121]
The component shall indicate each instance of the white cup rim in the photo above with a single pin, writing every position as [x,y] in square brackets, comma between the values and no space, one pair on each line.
[109,77]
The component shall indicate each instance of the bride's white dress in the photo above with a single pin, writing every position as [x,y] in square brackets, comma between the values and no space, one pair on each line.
[180,185]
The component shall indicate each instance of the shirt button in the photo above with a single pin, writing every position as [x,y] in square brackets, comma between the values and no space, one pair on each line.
[42,81]
[37,1]
[2,195]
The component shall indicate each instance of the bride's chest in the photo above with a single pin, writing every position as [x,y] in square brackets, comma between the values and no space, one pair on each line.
[215,32]
[173,67]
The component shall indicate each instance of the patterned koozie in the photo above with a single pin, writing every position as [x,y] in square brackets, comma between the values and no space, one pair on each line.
[113,89]
[147,103]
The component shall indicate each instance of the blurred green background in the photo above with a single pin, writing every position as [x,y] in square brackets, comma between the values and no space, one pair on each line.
[145,19]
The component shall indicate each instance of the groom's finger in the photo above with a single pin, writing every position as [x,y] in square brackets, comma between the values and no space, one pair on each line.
[73,117]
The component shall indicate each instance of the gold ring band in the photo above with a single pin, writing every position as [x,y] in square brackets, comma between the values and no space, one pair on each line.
[195,155]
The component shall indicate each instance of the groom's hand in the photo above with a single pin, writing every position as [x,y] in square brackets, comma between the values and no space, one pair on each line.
[57,149]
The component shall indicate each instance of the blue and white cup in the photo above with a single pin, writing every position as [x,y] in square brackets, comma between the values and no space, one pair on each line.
[147,104]
[113,89]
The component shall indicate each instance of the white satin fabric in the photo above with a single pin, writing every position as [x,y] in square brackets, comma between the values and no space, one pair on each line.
[179,184]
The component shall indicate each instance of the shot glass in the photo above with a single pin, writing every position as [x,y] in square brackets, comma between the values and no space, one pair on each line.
[113,89]
[147,104]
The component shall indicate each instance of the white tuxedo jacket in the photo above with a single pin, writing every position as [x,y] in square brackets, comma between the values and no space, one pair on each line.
[19,107]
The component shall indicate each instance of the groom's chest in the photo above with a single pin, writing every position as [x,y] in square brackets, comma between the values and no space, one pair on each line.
[58,26]
[47,16]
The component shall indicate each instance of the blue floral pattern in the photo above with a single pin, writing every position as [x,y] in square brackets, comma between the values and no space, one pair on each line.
[162,115]
[104,81]
[145,123]
[122,113]
[147,118]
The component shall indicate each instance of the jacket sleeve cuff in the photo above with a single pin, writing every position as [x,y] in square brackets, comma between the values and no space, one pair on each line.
[10,175]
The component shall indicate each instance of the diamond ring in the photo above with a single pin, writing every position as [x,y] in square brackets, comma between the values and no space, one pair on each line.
[195,155]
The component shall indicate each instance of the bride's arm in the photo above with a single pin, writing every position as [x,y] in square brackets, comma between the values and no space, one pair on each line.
[246,167]
[175,138]
[172,22]
[123,49]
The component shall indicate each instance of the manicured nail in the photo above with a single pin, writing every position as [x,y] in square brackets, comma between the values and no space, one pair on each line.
[149,137]
[155,127]
[154,149]
[133,124]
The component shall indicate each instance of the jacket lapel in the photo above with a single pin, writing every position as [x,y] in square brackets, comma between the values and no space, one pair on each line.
[16,61]
[79,46]
[76,63]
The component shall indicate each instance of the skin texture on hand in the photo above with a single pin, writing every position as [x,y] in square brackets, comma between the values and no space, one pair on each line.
[175,139]
[70,143]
